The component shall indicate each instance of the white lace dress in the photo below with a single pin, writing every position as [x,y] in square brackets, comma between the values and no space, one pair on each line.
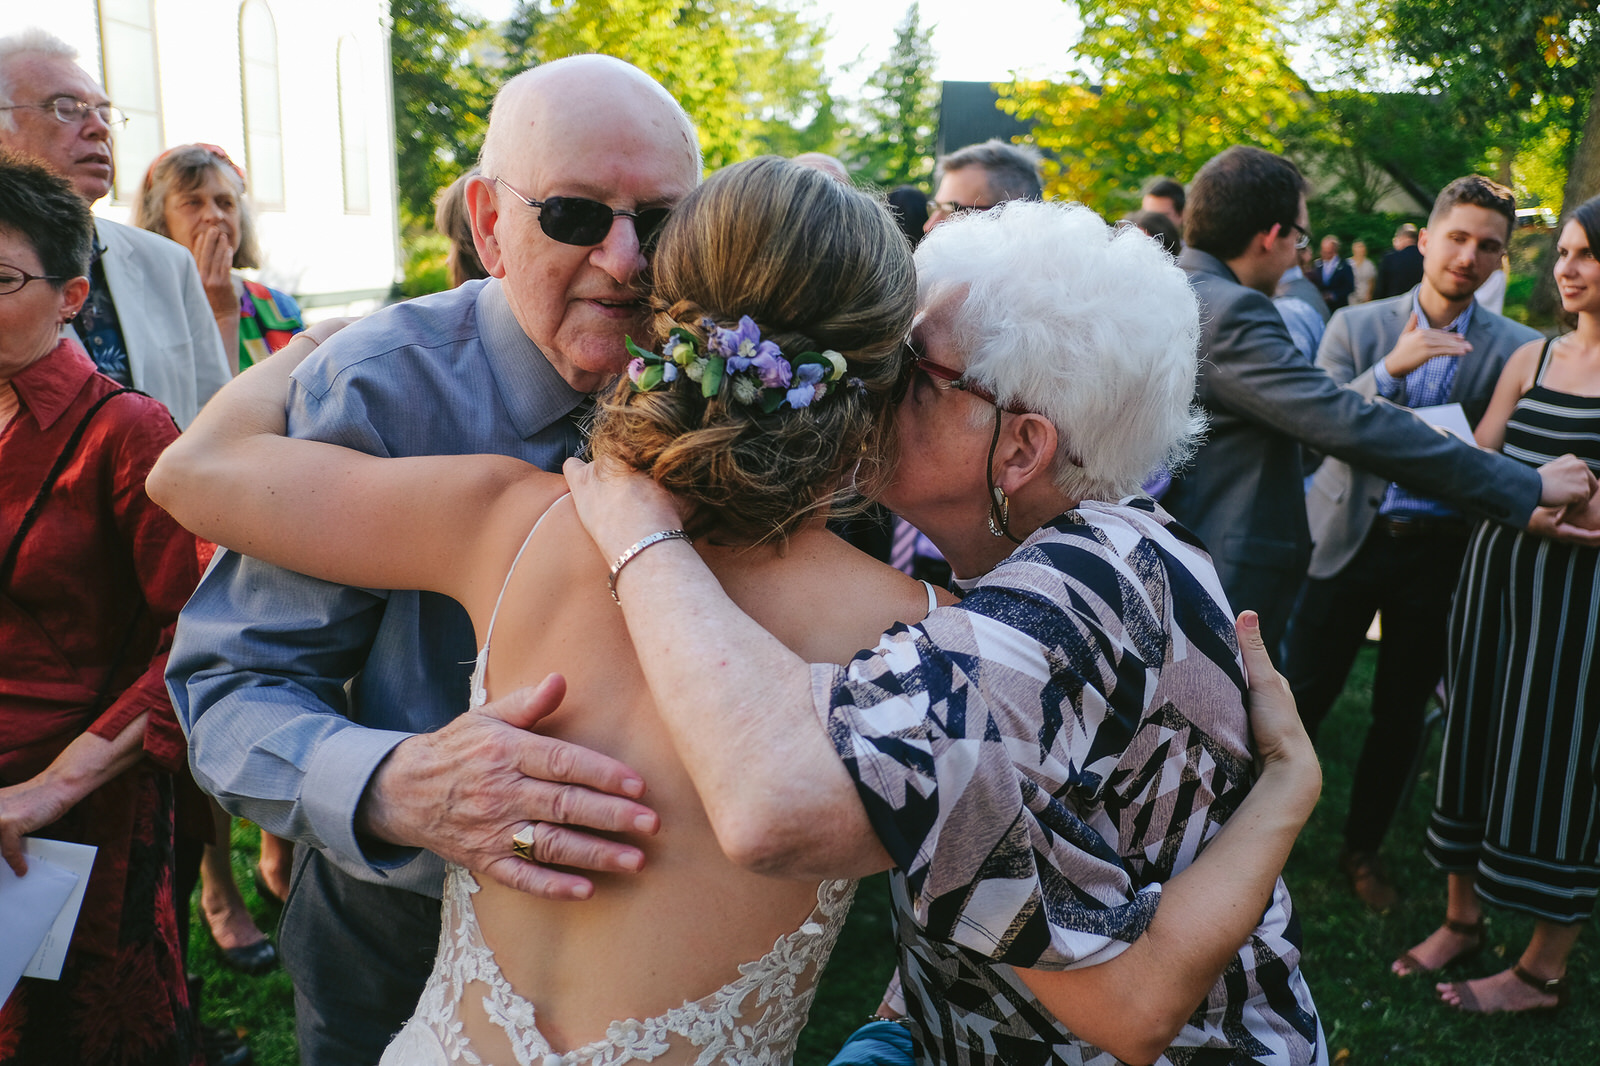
[753,1020]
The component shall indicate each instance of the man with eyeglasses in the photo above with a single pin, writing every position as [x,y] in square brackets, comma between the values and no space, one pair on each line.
[979,176]
[1243,493]
[383,778]
[147,322]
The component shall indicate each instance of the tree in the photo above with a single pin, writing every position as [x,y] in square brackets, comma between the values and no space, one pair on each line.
[749,73]
[1507,62]
[1162,87]
[894,137]
[441,100]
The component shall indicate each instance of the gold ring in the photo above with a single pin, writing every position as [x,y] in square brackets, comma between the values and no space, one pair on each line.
[522,843]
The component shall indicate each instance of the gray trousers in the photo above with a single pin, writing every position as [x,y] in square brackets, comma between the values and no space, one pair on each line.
[358,954]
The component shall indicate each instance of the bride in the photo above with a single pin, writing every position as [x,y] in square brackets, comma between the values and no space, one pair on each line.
[783,297]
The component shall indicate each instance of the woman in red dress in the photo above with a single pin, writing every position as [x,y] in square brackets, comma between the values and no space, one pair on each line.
[92,576]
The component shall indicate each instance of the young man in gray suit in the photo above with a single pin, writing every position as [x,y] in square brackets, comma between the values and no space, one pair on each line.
[1379,546]
[1243,493]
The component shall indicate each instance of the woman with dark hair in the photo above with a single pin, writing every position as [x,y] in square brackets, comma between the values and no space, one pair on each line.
[92,576]
[195,195]
[783,299]
[1516,820]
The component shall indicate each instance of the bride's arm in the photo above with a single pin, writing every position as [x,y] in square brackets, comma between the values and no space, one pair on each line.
[234,478]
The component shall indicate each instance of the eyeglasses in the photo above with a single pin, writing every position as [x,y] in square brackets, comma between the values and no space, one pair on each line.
[70,110]
[12,280]
[1304,238]
[585,223]
[952,207]
[946,379]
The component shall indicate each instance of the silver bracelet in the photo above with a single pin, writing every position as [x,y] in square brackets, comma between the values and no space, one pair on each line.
[627,557]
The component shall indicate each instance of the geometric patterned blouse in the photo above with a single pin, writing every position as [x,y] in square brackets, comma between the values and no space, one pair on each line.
[1038,760]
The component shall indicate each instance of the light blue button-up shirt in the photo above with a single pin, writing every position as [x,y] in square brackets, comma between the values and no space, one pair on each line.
[293,690]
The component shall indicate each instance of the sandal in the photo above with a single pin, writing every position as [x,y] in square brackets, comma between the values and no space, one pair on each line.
[1475,930]
[1555,986]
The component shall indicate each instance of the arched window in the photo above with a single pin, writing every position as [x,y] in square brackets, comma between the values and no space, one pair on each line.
[353,129]
[128,44]
[263,123]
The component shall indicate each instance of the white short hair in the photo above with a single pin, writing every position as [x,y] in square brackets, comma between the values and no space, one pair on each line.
[1092,327]
[31,41]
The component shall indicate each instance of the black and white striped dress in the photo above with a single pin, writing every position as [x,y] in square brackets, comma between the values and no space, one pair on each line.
[1518,796]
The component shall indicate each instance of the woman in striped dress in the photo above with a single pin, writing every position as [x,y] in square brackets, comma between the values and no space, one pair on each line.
[1517,818]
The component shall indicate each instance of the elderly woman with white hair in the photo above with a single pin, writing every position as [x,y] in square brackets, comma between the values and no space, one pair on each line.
[1040,763]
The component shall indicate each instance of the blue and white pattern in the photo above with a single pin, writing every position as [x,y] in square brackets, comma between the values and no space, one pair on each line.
[1038,760]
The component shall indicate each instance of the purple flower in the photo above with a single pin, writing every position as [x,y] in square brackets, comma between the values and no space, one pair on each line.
[808,373]
[800,396]
[773,369]
[742,341]
[635,370]
[736,363]
[669,372]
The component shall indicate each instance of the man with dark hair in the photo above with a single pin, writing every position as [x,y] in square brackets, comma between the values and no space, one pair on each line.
[979,176]
[1164,196]
[1400,271]
[1380,547]
[1243,494]
[1332,276]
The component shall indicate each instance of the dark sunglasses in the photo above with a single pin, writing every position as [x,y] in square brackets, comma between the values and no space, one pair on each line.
[585,223]
[945,379]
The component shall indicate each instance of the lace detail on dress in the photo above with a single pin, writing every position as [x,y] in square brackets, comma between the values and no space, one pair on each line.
[751,1021]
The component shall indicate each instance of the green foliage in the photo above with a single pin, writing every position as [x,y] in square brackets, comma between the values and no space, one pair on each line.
[1162,87]
[895,133]
[441,99]
[427,269]
[749,73]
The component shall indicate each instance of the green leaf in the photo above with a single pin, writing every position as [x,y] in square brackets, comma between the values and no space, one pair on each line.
[711,380]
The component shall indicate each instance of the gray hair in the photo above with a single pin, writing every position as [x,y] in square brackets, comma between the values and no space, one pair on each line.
[1094,328]
[31,41]
[1013,169]
[184,168]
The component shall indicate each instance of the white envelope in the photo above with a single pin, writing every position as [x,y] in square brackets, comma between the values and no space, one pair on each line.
[1448,417]
[41,909]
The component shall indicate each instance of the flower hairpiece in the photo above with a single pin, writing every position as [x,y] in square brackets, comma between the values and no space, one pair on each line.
[738,365]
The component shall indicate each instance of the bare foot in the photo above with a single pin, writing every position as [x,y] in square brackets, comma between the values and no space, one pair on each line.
[231,926]
[1505,991]
[1443,946]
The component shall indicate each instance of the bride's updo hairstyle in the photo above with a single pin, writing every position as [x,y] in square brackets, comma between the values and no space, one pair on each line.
[818,267]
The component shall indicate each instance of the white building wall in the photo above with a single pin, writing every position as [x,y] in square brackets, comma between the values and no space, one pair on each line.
[311,246]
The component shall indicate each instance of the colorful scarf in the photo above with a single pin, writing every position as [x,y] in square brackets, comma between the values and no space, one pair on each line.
[267,320]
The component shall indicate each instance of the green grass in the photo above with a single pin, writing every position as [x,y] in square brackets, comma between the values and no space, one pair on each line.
[1370,1016]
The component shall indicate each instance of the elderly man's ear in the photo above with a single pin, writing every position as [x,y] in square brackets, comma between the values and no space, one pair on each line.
[484,211]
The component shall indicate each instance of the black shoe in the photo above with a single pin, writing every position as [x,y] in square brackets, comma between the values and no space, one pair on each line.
[253,959]
[223,1047]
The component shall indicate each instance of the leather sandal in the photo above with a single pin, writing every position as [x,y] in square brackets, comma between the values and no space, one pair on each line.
[1555,986]
[1369,880]
[1473,929]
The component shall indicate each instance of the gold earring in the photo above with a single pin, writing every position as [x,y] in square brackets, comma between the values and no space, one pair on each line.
[1002,505]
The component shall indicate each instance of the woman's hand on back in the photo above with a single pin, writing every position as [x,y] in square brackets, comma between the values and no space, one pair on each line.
[618,506]
[1284,752]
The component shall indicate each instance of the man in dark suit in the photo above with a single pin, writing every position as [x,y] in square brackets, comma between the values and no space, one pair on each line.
[1380,547]
[1332,276]
[1242,495]
[1401,270]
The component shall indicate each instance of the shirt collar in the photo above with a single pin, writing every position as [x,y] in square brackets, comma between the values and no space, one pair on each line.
[534,392]
[48,386]
[1459,325]
[1294,273]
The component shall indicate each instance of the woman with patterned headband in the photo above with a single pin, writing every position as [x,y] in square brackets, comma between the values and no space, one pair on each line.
[782,299]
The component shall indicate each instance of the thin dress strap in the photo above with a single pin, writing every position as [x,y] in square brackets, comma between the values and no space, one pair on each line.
[933,597]
[1544,361]
[480,693]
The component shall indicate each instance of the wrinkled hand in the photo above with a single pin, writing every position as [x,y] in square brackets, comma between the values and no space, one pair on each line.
[463,792]
[213,255]
[1418,344]
[1567,480]
[617,505]
[23,808]
[1283,750]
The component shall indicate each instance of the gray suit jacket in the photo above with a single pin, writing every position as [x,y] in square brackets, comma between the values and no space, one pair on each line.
[174,350]
[1243,494]
[1301,288]
[1343,500]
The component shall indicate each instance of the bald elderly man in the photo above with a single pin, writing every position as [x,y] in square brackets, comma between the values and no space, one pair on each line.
[381,780]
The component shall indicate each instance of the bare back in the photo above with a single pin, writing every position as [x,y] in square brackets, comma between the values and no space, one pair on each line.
[679,929]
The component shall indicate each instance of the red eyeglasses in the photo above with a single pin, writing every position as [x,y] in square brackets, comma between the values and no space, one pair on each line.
[945,379]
